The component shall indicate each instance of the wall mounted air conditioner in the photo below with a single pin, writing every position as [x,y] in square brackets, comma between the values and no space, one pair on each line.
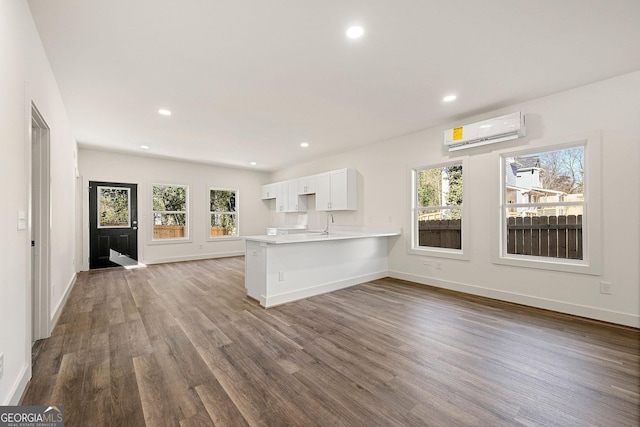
[503,128]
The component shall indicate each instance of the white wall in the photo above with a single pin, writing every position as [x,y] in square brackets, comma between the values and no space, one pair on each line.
[97,165]
[25,76]
[612,106]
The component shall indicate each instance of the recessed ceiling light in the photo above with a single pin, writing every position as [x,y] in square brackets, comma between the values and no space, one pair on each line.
[144,147]
[164,112]
[449,98]
[304,144]
[253,163]
[355,32]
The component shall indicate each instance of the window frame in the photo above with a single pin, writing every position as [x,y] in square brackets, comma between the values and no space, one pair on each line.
[236,213]
[187,237]
[428,251]
[591,262]
[98,200]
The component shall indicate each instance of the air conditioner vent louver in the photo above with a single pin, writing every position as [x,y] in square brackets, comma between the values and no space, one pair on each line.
[503,128]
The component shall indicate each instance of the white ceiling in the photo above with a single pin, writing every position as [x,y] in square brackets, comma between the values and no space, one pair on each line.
[249,80]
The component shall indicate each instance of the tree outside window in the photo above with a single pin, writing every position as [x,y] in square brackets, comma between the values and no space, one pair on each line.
[438,206]
[223,212]
[113,207]
[170,211]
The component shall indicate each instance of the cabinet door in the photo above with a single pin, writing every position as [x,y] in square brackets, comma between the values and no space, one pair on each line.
[295,202]
[268,191]
[323,192]
[307,185]
[336,191]
[282,197]
[339,190]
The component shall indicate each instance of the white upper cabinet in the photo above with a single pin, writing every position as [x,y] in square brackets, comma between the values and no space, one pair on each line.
[268,191]
[287,198]
[307,185]
[337,190]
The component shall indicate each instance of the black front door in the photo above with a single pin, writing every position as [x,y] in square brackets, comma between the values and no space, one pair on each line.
[113,224]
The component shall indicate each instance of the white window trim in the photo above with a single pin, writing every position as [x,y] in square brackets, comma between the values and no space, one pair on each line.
[591,218]
[413,248]
[187,238]
[237,213]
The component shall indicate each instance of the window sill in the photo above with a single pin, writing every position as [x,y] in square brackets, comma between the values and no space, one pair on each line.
[439,253]
[170,241]
[223,238]
[553,264]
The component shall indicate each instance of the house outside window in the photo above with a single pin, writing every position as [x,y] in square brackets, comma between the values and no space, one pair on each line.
[438,214]
[170,211]
[550,214]
[223,213]
[544,203]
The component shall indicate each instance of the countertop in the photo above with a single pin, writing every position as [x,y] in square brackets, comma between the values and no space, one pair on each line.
[337,233]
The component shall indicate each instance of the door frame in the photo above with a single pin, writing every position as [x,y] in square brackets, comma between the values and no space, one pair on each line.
[133,221]
[85,234]
[39,201]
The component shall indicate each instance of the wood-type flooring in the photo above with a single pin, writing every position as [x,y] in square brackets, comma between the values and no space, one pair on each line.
[181,345]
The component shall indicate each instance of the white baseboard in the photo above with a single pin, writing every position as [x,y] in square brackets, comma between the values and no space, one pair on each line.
[56,313]
[193,257]
[532,301]
[320,289]
[16,392]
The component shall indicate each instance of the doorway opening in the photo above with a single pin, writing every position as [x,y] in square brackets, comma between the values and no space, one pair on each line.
[40,214]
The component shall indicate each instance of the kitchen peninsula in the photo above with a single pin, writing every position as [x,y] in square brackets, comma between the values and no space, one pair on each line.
[284,268]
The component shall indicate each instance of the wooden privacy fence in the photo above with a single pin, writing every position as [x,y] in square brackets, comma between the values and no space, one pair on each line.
[176,231]
[221,231]
[168,231]
[550,236]
[446,233]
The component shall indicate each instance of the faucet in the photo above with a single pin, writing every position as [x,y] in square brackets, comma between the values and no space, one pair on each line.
[326,230]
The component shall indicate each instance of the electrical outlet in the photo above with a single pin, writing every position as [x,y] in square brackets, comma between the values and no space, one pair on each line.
[281,276]
[1,364]
[606,288]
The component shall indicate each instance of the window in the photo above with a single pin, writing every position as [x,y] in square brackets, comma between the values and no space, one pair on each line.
[438,213]
[223,213]
[113,207]
[170,211]
[545,195]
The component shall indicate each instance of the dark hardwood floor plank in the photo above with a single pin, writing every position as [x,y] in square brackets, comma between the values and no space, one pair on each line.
[125,406]
[157,398]
[220,408]
[201,330]
[180,372]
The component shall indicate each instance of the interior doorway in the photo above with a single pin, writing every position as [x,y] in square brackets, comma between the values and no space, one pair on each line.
[40,214]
